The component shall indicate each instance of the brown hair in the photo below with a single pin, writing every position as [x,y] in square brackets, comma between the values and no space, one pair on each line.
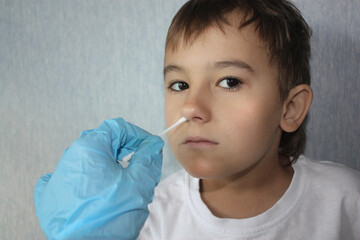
[279,25]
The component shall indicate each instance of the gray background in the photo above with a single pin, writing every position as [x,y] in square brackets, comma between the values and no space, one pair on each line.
[65,66]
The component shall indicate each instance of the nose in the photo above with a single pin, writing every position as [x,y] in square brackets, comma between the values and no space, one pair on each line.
[196,107]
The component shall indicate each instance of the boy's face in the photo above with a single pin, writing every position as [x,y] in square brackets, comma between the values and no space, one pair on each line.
[223,84]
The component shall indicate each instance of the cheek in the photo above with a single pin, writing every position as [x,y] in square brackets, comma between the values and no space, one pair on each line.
[252,122]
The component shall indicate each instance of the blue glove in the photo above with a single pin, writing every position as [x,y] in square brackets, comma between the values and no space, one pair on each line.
[90,196]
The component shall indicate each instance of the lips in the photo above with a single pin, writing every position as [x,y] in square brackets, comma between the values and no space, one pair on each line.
[199,142]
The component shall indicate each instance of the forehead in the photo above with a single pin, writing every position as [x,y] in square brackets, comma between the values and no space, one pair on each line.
[220,44]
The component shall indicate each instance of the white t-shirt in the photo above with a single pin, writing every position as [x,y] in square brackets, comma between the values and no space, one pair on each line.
[321,203]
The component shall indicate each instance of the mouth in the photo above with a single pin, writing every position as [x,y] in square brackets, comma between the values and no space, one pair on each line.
[199,142]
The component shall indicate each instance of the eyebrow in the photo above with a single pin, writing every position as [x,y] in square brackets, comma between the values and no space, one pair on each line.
[222,64]
[173,68]
[235,64]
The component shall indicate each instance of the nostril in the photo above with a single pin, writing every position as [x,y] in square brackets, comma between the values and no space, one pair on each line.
[195,113]
[190,111]
[196,107]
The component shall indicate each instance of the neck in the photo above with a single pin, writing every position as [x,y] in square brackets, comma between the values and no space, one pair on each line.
[249,192]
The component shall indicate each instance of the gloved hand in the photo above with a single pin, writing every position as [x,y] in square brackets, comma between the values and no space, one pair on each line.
[90,196]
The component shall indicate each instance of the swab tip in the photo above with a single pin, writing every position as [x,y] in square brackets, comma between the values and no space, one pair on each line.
[180,121]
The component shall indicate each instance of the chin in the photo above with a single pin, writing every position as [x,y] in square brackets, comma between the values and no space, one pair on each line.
[203,170]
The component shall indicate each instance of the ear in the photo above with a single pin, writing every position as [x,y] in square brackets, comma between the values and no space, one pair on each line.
[296,107]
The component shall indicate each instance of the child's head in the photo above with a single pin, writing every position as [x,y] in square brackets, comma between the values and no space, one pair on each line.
[245,40]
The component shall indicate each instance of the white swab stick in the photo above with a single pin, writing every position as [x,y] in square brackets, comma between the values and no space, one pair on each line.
[125,160]
[180,121]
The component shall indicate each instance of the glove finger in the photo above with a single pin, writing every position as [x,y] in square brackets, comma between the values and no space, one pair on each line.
[125,136]
[146,162]
[40,187]
[150,146]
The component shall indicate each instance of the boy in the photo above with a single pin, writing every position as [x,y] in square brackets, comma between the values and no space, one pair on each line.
[239,72]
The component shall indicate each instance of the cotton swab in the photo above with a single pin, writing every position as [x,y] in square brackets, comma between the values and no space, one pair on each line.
[180,121]
[125,160]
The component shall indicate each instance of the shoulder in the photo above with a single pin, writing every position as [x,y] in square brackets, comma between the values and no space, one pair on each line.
[332,193]
[332,176]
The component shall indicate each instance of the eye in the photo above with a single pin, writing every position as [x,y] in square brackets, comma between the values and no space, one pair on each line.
[178,86]
[230,83]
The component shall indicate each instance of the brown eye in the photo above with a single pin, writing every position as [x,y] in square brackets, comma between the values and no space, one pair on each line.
[178,86]
[230,83]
